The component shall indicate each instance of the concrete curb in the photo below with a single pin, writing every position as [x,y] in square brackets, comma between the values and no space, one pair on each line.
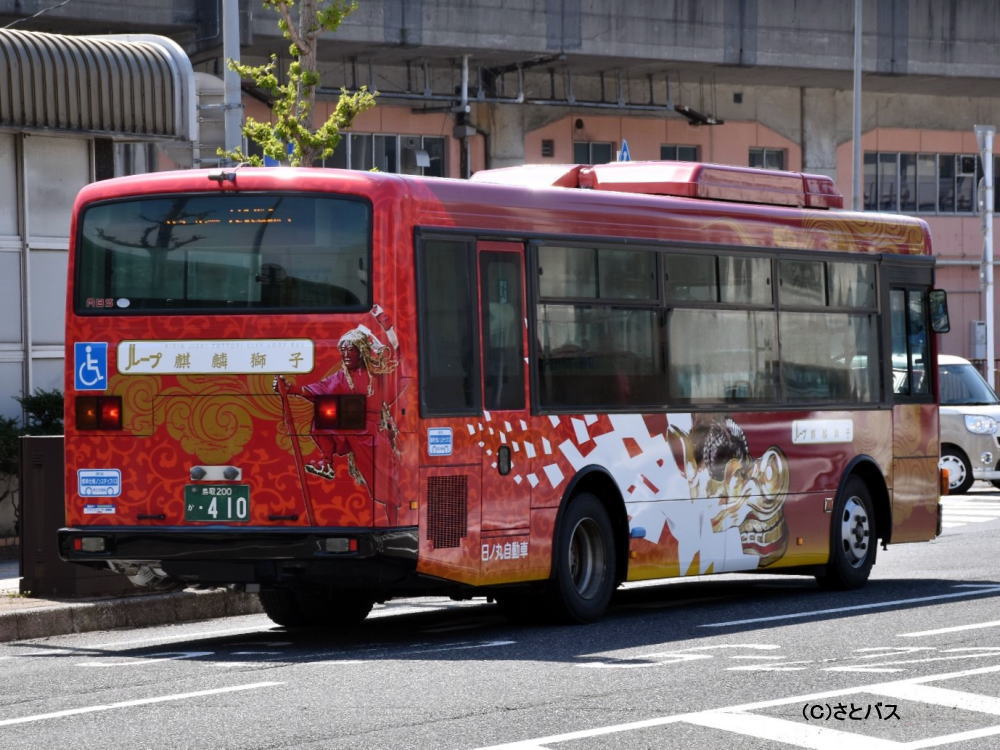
[132,612]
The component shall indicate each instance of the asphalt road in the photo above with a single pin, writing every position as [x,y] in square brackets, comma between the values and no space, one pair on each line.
[910,661]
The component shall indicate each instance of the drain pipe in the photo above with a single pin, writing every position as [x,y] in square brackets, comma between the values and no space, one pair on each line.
[984,137]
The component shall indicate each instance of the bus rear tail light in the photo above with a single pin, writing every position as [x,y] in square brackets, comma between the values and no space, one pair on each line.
[98,412]
[340,412]
[352,412]
[327,412]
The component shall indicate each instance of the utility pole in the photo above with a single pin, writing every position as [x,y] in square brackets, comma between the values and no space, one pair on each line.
[984,137]
[856,189]
[232,102]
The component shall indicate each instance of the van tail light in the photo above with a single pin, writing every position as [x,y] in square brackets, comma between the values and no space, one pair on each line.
[340,412]
[98,412]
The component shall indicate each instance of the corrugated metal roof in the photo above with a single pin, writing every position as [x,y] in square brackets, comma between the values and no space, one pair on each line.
[76,83]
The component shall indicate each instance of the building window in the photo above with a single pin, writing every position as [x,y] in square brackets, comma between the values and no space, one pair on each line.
[593,152]
[401,154]
[679,153]
[767,158]
[921,183]
[134,158]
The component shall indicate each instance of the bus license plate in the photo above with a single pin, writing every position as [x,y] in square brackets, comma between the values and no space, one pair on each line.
[217,502]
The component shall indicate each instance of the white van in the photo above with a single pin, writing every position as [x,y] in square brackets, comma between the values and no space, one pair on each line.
[970,421]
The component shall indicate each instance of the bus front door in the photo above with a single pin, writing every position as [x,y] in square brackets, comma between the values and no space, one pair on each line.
[507,476]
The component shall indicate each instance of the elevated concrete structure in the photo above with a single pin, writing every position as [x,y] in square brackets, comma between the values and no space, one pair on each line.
[547,78]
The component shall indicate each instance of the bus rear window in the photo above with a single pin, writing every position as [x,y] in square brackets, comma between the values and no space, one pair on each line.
[205,253]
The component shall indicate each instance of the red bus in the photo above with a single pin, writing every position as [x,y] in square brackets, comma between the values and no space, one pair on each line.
[335,387]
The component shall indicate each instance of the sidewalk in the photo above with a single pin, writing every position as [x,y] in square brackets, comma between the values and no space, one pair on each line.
[23,616]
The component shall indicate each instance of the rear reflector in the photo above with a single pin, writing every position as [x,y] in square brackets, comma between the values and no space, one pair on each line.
[90,544]
[341,544]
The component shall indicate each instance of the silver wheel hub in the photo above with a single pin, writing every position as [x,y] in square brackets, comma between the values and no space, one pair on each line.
[956,470]
[855,532]
[587,558]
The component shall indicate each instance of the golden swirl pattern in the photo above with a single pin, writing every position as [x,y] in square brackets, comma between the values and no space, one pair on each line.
[137,401]
[872,235]
[210,417]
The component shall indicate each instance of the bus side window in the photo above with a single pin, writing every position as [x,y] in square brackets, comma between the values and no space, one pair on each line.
[503,376]
[910,345]
[449,373]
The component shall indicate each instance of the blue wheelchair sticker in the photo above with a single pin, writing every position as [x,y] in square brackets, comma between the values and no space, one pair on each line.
[90,365]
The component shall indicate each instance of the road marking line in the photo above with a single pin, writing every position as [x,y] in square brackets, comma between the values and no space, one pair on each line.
[952,629]
[178,637]
[884,666]
[870,669]
[939,696]
[984,509]
[857,607]
[675,656]
[141,661]
[459,647]
[785,667]
[138,702]
[948,739]
[783,730]
[541,743]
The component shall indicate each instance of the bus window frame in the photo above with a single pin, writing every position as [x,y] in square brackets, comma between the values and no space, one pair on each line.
[78,309]
[880,399]
[916,274]
[472,296]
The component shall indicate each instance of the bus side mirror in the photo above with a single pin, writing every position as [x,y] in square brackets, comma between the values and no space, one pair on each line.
[938,300]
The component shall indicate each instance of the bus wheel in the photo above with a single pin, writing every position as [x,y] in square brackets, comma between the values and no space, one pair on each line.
[852,539]
[338,610]
[959,470]
[584,562]
[282,606]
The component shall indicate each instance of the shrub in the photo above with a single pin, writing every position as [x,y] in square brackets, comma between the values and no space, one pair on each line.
[43,415]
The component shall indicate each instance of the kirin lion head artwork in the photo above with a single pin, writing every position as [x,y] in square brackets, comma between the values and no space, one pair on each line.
[717,463]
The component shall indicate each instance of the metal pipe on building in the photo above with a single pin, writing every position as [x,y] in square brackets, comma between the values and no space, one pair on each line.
[984,138]
[466,144]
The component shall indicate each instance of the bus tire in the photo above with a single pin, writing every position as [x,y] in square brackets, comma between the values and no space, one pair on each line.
[959,470]
[302,608]
[337,610]
[853,540]
[583,564]
[282,606]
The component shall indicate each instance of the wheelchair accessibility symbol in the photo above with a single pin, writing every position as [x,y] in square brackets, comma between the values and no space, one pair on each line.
[90,366]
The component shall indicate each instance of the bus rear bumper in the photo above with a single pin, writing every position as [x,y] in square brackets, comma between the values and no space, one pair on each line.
[340,557]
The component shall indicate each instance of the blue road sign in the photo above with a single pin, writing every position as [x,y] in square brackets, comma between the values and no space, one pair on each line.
[624,154]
